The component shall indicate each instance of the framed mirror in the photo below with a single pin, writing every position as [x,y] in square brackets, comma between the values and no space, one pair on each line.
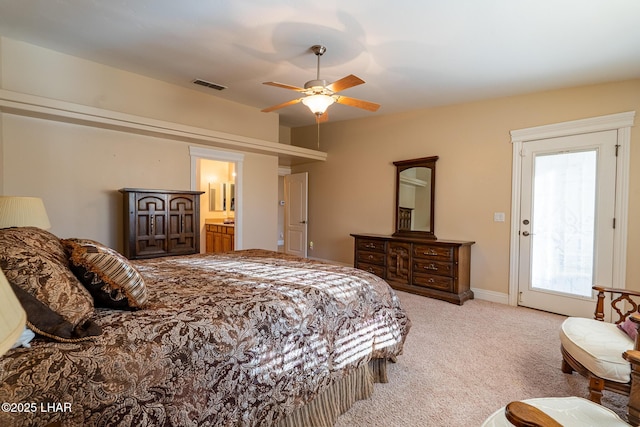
[222,196]
[216,197]
[415,195]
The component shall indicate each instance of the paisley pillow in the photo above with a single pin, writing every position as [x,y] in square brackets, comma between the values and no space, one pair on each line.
[35,260]
[109,277]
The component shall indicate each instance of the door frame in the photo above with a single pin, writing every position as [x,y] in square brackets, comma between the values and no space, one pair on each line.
[622,122]
[197,153]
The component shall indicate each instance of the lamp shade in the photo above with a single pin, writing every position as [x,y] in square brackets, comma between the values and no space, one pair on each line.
[318,104]
[12,316]
[23,212]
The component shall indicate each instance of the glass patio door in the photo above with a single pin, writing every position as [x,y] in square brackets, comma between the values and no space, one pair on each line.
[566,224]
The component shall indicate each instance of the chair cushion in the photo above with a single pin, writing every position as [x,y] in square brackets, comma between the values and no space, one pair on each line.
[598,346]
[568,411]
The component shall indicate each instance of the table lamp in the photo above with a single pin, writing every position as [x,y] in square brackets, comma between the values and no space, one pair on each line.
[12,316]
[23,212]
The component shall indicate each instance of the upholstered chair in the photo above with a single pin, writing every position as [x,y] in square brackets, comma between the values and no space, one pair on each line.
[594,348]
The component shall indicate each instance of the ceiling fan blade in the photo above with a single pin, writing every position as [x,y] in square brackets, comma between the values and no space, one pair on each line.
[358,103]
[284,104]
[285,86]
[345,83]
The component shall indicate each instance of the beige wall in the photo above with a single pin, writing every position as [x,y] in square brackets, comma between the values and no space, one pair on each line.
[34,70]
[353,191]
[260,201]
[77,169]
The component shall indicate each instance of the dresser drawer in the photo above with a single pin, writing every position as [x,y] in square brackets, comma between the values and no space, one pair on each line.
[378,270]
[433,267]
[424,266]
[370,245]
[433,252]
[371,257]
[442,283]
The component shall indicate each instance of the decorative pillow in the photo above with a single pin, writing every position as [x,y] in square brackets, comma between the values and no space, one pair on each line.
[629,327]
[46,322]
[31,259]
[108,276]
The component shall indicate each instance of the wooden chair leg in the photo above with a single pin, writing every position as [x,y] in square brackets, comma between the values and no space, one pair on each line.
[566,368]
[596,385]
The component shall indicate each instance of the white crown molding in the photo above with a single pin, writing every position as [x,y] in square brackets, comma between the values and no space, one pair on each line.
[63,111]
[220,155]
[284,170]
[574,127]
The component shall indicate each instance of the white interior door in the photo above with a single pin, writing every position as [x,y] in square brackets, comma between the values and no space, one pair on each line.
[296,188]
[567,221]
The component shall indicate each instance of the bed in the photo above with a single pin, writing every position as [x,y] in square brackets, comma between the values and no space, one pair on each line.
[245,338]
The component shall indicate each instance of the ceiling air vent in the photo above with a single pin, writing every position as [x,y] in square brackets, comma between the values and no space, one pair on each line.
[209,84]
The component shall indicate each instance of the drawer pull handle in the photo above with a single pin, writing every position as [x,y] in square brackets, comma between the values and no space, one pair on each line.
[370,270]
[370,245]
[370,256]
[430,252]
[431,280]
[431,267]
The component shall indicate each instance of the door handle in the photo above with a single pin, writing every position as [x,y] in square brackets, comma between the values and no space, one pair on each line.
[525,233]
[303,222]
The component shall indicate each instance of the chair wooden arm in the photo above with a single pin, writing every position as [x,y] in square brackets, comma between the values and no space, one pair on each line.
[632,356]
[617,290]
[625,296]
[522,414]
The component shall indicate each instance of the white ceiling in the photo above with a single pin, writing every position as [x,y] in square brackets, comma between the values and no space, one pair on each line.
[411,53]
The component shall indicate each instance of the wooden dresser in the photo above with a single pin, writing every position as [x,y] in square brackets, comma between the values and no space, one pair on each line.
[160,222]
[433,268]
[220,237]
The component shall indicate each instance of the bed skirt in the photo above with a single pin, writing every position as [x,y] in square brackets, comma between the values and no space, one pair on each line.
[324,410]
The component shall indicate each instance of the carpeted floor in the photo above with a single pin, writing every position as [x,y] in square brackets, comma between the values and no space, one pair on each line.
[461,363]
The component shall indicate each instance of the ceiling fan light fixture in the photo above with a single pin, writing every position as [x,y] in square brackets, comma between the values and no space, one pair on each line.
[318,104]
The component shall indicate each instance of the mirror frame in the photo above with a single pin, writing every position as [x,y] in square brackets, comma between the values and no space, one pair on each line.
[428,162]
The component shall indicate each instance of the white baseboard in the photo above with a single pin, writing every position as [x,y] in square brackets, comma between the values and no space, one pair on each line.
[492,296]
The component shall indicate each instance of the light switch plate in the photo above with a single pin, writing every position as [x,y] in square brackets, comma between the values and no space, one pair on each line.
[498,216]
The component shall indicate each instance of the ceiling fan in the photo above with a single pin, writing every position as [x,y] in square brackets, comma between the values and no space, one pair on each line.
[319,95]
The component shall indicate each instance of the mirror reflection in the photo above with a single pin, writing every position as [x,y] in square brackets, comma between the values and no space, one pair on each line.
[415,184]
[216,191]
[222,196]
[415,191]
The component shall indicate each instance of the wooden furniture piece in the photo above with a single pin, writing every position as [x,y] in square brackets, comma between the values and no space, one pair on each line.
[522,414]
[554,412]
[220,237]
[594,348]
[434,268]
[160,222]
[415,197]
[404,218]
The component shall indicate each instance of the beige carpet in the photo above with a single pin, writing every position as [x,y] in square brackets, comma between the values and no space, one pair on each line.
[461,363]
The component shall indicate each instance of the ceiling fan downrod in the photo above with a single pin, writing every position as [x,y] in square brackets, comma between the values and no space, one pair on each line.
[318,50]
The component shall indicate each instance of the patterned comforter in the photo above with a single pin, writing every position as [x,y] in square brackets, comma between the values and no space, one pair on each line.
[242,338]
